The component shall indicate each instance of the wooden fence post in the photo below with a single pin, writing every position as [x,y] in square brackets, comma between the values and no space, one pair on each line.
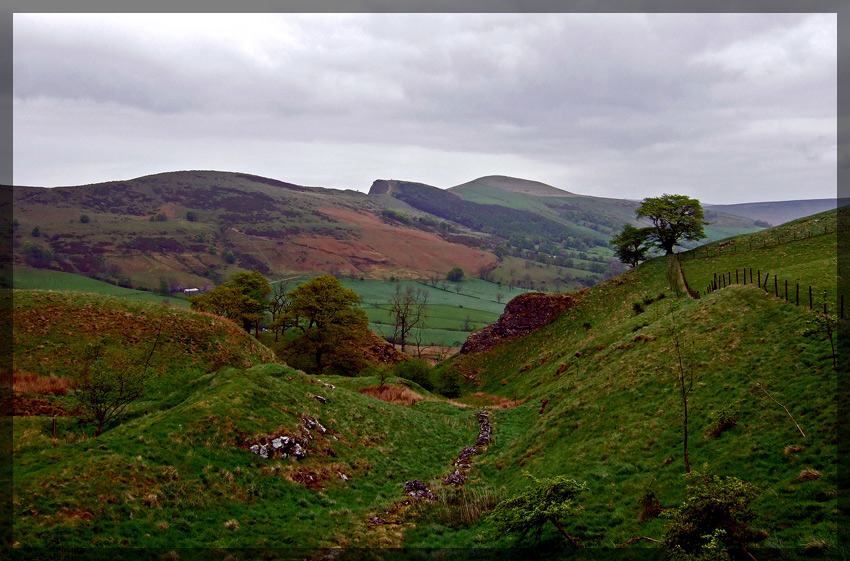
[824,294]
[736,276]
[730,278]
[775,286]
[766,278]
[751,275]
[811,304]
[759,278]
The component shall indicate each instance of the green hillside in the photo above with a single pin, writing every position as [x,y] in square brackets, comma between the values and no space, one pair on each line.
[593,396]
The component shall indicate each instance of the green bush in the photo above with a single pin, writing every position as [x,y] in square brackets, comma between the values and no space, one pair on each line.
[715,510]
[450,380]
[416,370]
[455,275]
[84,219]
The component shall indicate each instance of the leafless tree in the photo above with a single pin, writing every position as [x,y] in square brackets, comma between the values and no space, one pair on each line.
[279,304]
[407,308]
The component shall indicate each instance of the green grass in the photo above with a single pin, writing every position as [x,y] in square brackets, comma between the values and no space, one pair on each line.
[802,252]
[600,405]
[613,417]
[175,475]
[44,279]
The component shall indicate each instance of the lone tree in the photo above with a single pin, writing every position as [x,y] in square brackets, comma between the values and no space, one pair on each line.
[631,244]
[550,500]
[407,308]
[108,384]
[674,218]
[455,275]
[331,324]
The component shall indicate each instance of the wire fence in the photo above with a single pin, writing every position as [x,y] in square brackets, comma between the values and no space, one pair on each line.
[790,292]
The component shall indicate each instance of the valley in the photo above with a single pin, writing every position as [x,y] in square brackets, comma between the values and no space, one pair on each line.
[593,393]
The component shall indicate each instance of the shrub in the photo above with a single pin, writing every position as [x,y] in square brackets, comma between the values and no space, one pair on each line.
[550,500]
[716,510]
[723,419]
[450,380]
[84,219]
[416,370]
[638,309]
[455,275]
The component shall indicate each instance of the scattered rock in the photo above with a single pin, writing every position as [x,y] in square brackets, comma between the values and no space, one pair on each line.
[457,478]
[320,399]
[418,490]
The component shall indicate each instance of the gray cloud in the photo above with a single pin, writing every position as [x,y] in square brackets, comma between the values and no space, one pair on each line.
[726,107]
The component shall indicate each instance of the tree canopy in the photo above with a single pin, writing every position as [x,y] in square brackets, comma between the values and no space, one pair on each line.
[331,324]
[241,299]
[455,275]
[674,218]
[631,244]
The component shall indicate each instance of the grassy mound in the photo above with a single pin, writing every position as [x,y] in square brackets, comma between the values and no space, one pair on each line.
[180,472]
[53,330]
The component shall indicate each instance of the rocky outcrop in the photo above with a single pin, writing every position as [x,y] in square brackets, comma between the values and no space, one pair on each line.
[522,315]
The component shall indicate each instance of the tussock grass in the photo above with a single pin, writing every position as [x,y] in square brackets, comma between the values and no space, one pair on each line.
[393,394]
[44,385]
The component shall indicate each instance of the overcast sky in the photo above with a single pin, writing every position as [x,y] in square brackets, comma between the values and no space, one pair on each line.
[727,108]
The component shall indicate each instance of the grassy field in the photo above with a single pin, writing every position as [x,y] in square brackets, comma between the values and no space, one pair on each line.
[44,279]
[452,315]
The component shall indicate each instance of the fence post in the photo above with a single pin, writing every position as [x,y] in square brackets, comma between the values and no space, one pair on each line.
[730,278]
[751,275]
[775,286]
[824,295]
[736,276]
[766,277]
[759,277]
[811,304]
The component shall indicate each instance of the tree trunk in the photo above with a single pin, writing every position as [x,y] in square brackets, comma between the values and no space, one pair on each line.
[566,535]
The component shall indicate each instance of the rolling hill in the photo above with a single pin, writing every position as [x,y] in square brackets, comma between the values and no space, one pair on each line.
[594,395]
[195,228]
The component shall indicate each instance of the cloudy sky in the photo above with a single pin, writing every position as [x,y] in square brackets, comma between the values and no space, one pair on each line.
[727,108]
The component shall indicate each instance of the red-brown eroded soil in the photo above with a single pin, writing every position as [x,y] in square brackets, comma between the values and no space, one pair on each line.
[381,246]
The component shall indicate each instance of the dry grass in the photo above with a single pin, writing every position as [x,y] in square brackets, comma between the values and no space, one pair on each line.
[393,394]
[809,475]
[45,385]
[490,401]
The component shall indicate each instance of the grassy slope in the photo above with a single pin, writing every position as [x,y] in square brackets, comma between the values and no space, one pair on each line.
[27,278]
[613,418]
[179,474]
[802,251]
[52,329]
[175,471]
